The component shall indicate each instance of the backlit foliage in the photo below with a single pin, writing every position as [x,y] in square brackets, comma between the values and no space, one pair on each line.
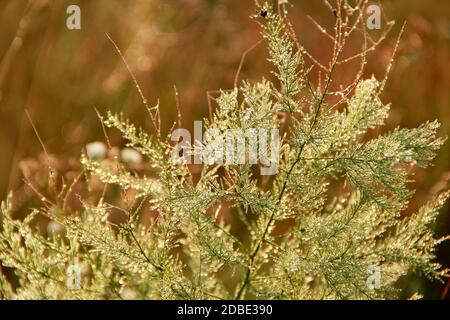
[289,237]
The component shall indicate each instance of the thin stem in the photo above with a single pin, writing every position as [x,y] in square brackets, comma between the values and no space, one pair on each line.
[283,189]
[159,268]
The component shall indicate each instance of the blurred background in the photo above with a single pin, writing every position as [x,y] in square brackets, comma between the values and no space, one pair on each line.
[61,75]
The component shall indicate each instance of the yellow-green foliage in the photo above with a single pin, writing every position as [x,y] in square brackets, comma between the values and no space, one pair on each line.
[323,251]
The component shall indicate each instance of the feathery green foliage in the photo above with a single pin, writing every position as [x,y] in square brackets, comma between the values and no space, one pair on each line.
[290,237]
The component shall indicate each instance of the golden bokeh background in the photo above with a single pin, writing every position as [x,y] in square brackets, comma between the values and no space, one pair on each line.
[61,75]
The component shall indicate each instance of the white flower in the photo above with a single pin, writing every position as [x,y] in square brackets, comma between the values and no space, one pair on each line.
[54,228]
[131,156]
[96,150]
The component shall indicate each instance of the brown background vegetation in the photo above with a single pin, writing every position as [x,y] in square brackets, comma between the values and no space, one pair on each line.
[60,75]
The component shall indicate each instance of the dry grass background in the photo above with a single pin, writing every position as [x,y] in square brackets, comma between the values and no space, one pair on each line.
[59,75]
